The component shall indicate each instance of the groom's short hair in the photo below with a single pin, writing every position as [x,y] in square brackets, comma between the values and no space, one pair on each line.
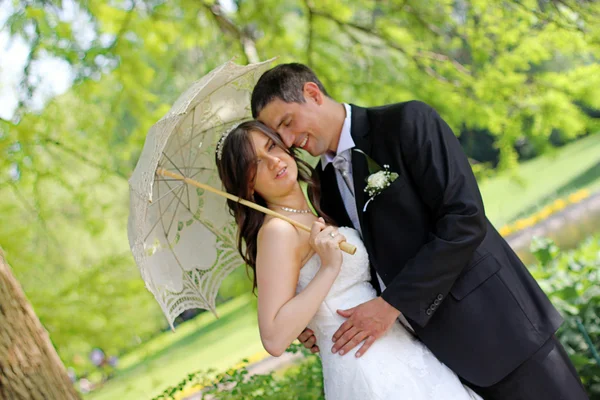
[285,82]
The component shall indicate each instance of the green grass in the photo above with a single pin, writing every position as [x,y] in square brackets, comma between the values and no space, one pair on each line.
[200,344]
[540,181]
[206,342]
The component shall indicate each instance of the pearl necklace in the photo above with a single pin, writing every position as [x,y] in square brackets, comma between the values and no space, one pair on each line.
[293,210]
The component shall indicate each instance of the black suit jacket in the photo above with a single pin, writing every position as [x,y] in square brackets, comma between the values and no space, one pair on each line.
[465,292]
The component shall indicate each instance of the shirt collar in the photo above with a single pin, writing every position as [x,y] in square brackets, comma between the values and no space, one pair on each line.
[345,142]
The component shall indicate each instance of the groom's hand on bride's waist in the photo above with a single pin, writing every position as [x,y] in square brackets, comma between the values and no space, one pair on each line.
[366,322]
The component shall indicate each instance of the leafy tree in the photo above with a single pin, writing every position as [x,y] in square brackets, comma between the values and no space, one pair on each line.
[517,70]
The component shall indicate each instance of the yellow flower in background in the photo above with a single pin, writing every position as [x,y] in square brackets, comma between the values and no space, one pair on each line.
[524,223]
[578,196]
[505,230]
[559,204]
[545,212]
[187,392]
[531,221]
[261,355]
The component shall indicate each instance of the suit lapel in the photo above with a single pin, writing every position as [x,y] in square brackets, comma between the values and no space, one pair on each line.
[331,199]
[360,170]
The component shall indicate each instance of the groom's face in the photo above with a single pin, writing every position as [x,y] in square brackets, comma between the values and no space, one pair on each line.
[298,124]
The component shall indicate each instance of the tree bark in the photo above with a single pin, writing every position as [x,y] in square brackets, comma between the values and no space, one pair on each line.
[29,365]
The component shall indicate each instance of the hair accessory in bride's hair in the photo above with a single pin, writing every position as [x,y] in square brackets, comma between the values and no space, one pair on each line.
[222,140]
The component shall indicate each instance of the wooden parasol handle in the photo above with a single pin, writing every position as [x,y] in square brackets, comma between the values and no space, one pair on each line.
[344,246]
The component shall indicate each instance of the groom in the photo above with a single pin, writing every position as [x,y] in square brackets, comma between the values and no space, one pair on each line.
[441,267]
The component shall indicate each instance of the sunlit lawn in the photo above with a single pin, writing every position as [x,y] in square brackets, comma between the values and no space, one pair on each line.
[199,344]
[543,179]
[209,343]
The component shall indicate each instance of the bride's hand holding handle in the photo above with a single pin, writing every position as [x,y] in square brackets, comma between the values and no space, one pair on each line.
[328,248]
[325,241]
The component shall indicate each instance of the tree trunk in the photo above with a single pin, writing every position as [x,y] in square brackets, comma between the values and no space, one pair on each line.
[29,365]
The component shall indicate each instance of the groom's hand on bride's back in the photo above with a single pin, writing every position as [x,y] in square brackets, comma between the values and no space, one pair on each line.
[308,339]
[366,322]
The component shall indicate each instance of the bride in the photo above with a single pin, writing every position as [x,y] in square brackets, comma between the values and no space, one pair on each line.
[302,278]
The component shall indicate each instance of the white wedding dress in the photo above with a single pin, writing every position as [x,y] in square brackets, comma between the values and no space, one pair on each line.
[397,366]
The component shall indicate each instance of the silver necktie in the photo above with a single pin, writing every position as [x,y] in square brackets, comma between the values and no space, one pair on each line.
[346,186]
[343,165]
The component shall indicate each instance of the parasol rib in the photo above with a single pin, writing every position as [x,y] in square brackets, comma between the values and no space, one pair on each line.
[344,246]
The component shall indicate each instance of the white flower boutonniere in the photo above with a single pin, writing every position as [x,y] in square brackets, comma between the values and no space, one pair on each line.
[379,179]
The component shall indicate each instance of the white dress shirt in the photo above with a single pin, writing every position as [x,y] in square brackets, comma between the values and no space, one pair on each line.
[345,146]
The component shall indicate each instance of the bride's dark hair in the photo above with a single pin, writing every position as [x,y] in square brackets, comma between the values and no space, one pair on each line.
[237,170]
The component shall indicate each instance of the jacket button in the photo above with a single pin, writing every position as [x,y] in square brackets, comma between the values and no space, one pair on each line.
[436,302]
[440,297]
[429,311]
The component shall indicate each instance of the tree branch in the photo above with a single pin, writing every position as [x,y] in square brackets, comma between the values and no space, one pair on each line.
[82,157]
[25,84]
[444,58]
[36,212]
[431,28]
[228,27]
[390,44]
[578,9]
[121,32]
[309,45]
[546,18]
[90,272]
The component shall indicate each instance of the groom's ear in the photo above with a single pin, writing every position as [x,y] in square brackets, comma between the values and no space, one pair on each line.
[312,93]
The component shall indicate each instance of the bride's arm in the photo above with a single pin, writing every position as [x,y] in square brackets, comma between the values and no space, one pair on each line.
[283,315]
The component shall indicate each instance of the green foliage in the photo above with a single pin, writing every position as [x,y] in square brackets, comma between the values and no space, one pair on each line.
[302,381]
[517,69]
[571,281]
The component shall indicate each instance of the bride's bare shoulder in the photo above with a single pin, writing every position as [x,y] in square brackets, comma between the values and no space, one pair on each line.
[276,230]
[279,242]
